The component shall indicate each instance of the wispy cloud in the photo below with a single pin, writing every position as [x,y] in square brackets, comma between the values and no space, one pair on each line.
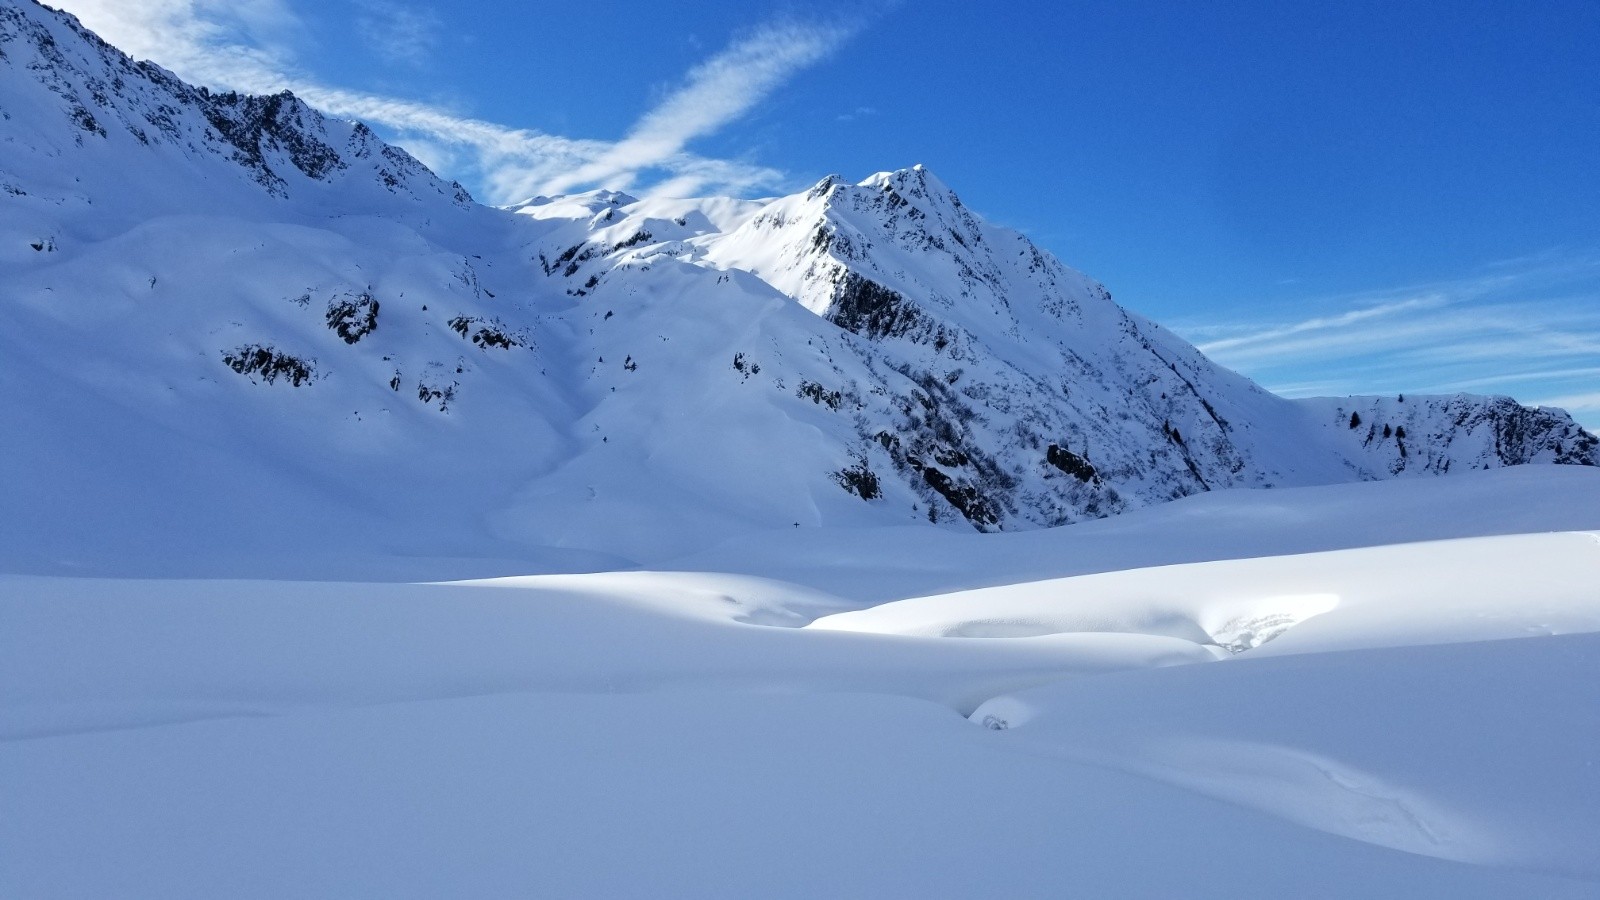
[716,92]
[1591,373]
[1527,327]
[220,42]
[402,33]
[248,45]
[1274,340]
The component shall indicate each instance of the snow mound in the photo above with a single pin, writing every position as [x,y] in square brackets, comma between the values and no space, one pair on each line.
[1381,596]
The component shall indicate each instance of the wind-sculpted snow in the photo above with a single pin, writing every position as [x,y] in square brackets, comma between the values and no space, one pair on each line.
[1397,595]
[244,738]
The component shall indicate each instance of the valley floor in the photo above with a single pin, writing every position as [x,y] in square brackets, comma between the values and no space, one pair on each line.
[1253,694]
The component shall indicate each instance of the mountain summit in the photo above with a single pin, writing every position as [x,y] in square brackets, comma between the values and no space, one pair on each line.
[282,335]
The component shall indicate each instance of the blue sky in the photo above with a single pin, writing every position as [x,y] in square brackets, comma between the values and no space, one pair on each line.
[1330,197]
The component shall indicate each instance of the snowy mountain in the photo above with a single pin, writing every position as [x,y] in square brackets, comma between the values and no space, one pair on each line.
[276,402]
[74,103]
[286,336]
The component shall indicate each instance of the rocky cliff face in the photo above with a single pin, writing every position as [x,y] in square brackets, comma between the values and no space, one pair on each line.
[1433,435]
[289,313]
[1012,390]
[71,98]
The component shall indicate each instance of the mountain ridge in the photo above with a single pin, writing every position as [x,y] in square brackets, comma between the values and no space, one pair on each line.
[267,301]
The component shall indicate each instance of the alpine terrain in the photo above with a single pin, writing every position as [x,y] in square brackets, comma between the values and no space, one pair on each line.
[240,339]
[240,285]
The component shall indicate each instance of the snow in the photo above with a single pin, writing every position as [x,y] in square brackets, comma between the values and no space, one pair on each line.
[1396,595]
[888,564]
[1421,726]
[1475,752]
[553,582]
[679,794]
[663,376]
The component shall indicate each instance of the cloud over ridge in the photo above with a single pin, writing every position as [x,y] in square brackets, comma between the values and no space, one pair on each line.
[247,45]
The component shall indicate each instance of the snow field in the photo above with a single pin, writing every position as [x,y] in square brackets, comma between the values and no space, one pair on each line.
[697,734]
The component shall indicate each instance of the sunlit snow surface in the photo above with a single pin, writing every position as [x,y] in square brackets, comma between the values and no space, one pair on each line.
[1259,706]
[585,608]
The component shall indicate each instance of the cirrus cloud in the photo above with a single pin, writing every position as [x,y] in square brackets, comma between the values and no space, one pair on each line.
[248,45]
[1528,327]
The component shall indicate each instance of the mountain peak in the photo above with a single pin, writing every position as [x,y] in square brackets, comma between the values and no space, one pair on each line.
[917,181]
[249,274]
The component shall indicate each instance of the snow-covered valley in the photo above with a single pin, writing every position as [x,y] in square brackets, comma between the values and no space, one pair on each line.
[1410,719]
[360,539]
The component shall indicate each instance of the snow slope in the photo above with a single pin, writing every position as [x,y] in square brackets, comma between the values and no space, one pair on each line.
[872,566]
[725,794]
[1287,718]
[1395,595]
[286,340]
[649,734]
